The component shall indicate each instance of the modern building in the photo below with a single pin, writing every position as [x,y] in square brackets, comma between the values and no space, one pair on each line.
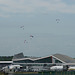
[52,59]
[42,63]
[39,63]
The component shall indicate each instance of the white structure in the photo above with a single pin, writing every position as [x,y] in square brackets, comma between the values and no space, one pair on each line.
[43,62]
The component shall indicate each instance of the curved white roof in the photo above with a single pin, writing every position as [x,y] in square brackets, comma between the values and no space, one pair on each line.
[60,57]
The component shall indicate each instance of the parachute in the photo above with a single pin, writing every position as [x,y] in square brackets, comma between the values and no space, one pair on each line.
[57,20]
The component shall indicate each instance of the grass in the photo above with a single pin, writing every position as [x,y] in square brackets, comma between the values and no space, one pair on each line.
[1,73]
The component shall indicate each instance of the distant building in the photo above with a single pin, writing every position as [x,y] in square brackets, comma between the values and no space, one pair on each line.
[52,59]
[39,63]
[5,63]
[42,62]
[5,60]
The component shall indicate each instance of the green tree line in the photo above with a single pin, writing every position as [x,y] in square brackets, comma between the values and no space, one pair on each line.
[6,58]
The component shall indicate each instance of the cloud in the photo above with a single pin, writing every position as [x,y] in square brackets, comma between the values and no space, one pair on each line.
[33,6]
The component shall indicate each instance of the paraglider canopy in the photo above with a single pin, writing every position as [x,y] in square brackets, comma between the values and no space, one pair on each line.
[31,36]
[22,27]
[57,20]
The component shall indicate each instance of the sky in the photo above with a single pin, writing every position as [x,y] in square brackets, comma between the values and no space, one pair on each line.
[50,22]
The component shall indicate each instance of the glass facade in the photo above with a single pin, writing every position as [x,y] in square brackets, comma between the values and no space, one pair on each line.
[39,61]
[44,60]
[24,61]
[57,61]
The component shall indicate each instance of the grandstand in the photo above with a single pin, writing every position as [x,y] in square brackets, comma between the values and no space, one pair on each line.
[39,63]
[55,59]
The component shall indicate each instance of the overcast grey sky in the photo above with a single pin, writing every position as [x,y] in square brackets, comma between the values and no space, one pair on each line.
[38,18]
